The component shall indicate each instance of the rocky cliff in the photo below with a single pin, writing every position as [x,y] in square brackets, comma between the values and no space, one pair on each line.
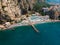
[10,10]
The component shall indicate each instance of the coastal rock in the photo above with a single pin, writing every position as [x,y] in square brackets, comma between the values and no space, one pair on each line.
[10,10]
[2,27]
[7,24]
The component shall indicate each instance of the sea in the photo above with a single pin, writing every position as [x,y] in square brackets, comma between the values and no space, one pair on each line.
[49,34]
[53,2]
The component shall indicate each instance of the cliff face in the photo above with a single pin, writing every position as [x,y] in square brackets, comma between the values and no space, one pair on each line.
[10,10]
[41,0]
[10,7]
[26,4]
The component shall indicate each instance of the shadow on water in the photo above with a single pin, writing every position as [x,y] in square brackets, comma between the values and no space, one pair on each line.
[25,35]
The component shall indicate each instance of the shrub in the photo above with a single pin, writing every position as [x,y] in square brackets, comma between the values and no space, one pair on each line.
[38,7]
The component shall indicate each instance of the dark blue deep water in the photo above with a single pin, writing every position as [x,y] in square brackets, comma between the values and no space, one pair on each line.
[25,35]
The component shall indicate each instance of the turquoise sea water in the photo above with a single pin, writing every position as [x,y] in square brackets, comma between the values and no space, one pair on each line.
[54,2]
[49,35]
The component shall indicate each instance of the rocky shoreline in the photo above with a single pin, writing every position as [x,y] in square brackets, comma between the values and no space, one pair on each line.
[24,23]
[33,19]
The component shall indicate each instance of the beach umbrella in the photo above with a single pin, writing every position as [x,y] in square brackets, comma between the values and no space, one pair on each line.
[53,2]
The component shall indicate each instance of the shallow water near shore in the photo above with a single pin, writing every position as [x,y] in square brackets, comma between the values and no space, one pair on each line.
[25,35]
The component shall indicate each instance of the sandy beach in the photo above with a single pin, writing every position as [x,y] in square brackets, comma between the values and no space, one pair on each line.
[25,23]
